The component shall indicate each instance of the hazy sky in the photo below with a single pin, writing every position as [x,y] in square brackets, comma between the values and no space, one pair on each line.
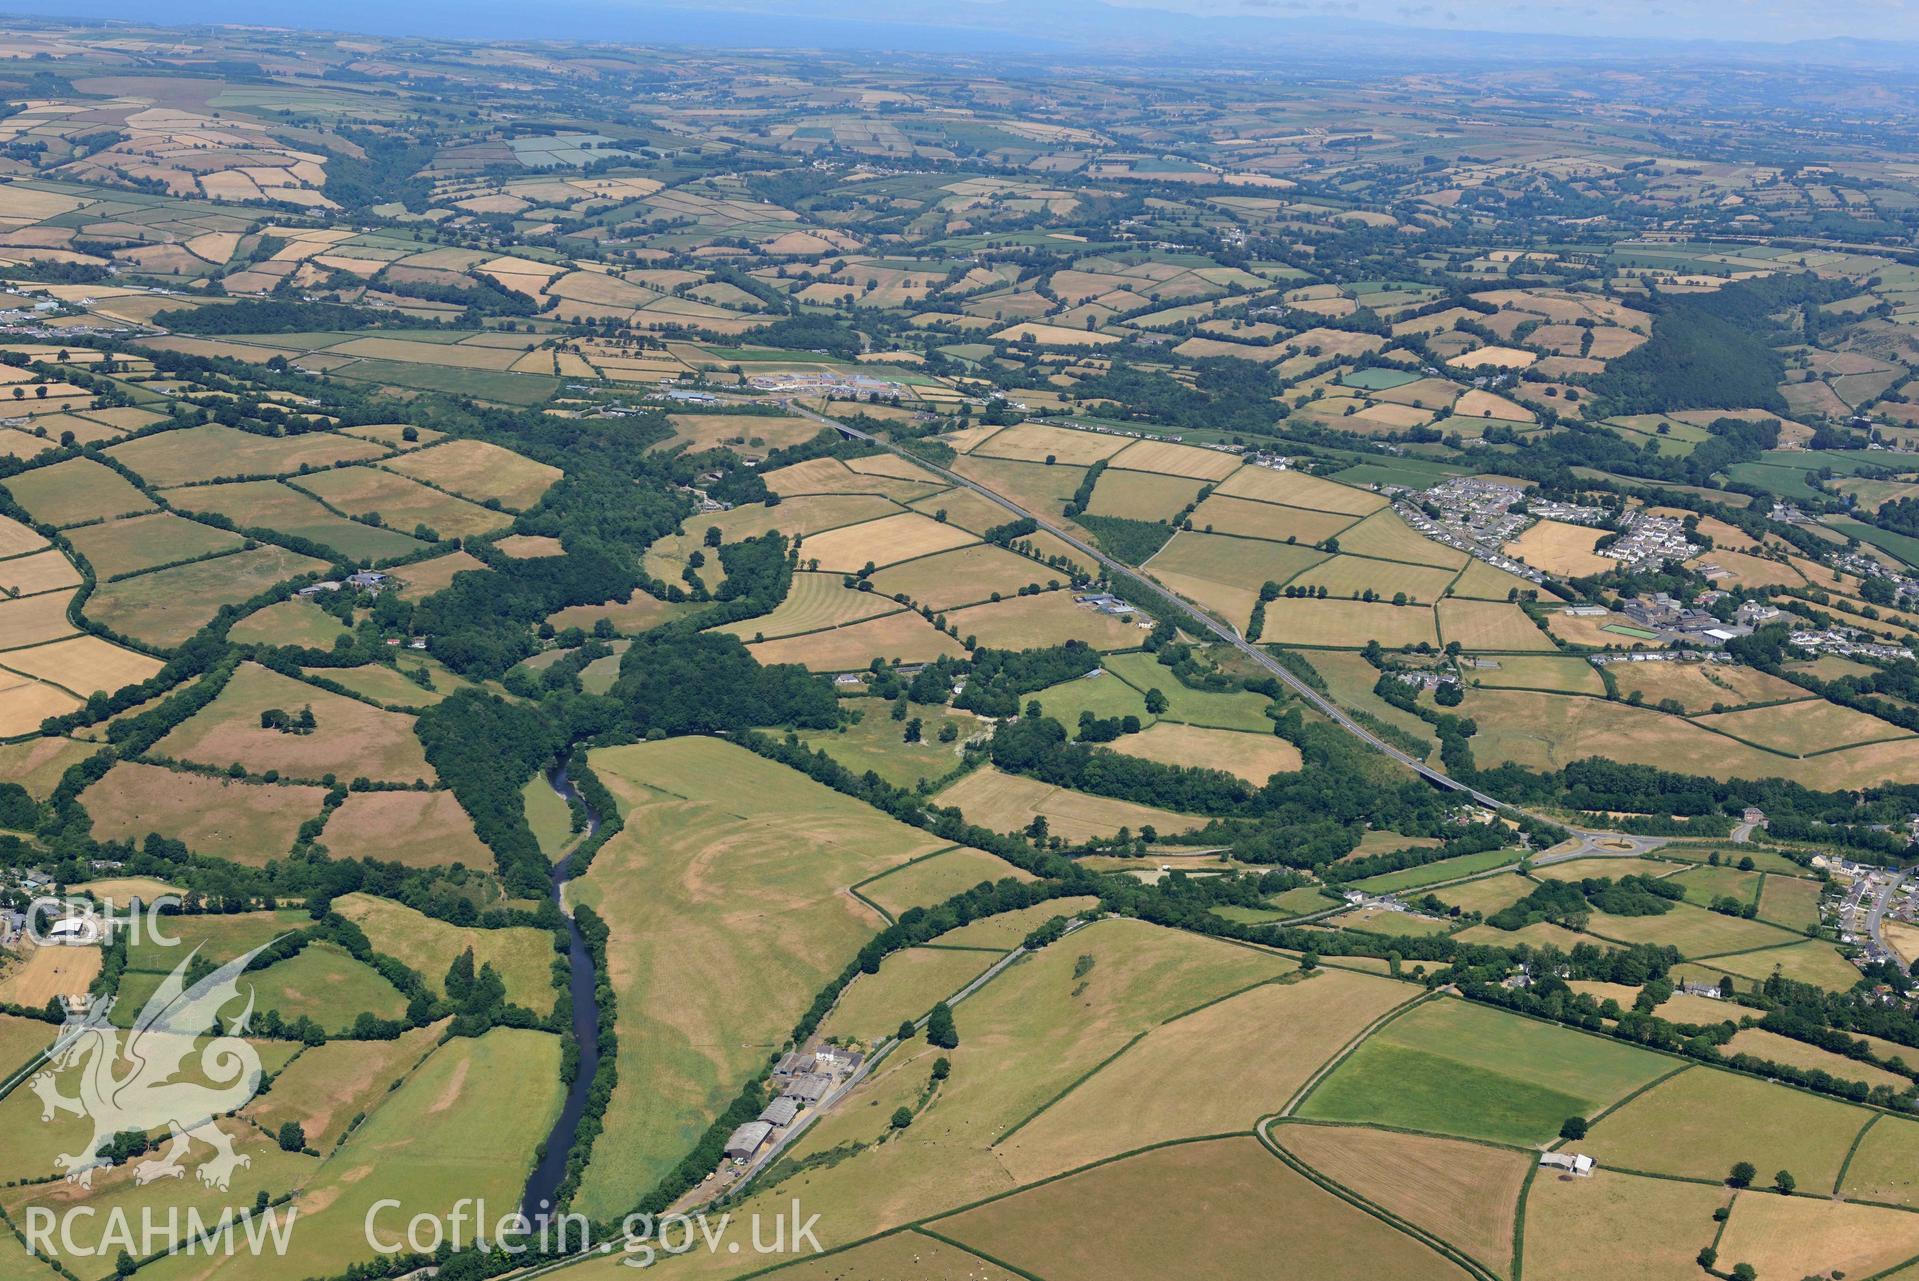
[987,25]
[1726,19]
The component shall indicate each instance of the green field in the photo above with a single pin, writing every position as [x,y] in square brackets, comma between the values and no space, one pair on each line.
[1700,1122]
[1235,709]
[322,983]
[1465,1070]
[877,741]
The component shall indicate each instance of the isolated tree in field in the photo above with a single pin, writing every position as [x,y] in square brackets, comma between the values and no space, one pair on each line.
[942,1068]
[1785,1182]
[1155,701]
[939,1027]
[913,730]
[902,1117]
[1743,1173]
[292,1137]
[1573,1128]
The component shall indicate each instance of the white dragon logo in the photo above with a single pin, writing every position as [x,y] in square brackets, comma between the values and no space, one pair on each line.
[133,1085]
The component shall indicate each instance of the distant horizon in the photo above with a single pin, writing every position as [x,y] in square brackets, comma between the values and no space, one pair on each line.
[1247,32]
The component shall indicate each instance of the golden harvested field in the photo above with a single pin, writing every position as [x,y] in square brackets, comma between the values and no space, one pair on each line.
[16,538]
[1008,802]
[46,972]
[1617,1225]
[1347,624]
[1560,549]
[1141,495]
[522,955]
[82,664]
[1698,687]
[886,541]
[350,740]
[1032,443]
[1481,581]
[1033,486]
[37,572]
[246,822]
[1253,757]
[1271,1038]
[1225,515]
[759,433]
[324,1089]
[1692,1125]
[1297,489]
[76,490]
[1803,728]
[793,516]
[725,894]
[418,829]
[213,452]
[903,1254]
[1750,571]
[1050,618]
[1495,358]
[1349,576]
[1245,1204]
[34,620]
[1563,675]
[169,605]
[905,636]
[1225,574]
[1781,1049]
[1547,731]
[422,578]
[964,508]
[1487,894]
[931,881]
[278,506]
[529,546]
[450,355]
[1172,459]
[142,542]
[634,614]
[1803,1236]
[1790,902]
[478,471]
[1466,1194]
[907,986]
[1384,536]
[1886,1165]
[815,602]
[38,763]
[833,476]
[1702,1010]
[964,576]
[401,503]
[1481,625]
[1814,962]
[122,890]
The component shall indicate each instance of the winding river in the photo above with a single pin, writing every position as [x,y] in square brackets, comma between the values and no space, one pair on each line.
[544,1183]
